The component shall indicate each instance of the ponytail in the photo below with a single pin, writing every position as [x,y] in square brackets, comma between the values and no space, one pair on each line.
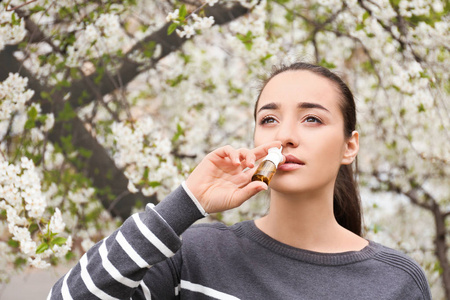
[346,201]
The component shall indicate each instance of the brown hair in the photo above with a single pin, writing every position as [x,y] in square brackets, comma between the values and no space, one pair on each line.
[346,199]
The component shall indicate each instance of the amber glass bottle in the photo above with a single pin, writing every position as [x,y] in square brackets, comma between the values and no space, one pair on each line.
[268,166]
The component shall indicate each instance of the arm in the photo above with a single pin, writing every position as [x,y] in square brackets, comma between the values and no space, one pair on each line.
[115,266]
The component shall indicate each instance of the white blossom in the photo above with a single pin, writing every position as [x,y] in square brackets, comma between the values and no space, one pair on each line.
[10,33]
[56,222]
[37,262]
[173,16]
[211,2]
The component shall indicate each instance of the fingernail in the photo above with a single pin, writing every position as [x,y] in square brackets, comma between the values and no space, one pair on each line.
[262,188]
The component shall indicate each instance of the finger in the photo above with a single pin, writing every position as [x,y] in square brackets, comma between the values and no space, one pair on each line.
[263,149]
[247,157]
[229,152]
[248,191]
[250,159]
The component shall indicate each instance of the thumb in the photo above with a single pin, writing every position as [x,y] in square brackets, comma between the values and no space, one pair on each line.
[249,191]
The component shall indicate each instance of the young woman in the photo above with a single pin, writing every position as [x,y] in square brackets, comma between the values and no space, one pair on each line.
[308,246]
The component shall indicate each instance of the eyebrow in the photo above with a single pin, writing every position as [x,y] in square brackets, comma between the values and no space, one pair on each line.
[300,105]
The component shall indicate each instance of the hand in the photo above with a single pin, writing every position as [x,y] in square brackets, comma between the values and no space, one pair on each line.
[219,182]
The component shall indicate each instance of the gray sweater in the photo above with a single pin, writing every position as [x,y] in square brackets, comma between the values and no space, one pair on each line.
[145,259]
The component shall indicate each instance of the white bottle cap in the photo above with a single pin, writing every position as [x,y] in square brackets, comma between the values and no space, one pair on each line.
[275,155]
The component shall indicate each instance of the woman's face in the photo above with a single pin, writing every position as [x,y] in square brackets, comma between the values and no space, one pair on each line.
[301,109]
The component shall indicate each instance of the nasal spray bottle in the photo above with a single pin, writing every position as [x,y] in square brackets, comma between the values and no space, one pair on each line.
[268,166]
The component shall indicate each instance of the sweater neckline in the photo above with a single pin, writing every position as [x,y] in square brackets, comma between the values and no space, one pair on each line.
[251,231]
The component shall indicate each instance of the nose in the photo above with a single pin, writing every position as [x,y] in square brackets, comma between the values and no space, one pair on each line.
[288,135]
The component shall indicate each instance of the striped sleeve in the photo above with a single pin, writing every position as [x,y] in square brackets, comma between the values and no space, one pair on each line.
[114,267]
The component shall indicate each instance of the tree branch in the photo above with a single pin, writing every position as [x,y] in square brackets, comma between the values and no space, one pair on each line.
[441,231]
[100,168]
[130,69]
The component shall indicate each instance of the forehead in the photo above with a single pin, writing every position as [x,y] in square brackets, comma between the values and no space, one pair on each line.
[291,87]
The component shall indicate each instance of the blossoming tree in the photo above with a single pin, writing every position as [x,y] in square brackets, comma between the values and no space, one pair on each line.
[107,105]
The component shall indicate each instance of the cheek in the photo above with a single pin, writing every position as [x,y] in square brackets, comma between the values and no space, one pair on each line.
[333,147]
[326,144]
[258,138]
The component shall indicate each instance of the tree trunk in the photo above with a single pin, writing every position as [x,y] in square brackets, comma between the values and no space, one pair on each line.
[441,247]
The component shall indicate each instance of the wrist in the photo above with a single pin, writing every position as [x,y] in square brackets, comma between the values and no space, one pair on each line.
[194,198]
[178,210]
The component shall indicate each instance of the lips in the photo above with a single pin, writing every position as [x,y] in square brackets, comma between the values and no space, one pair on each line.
[291,163]
[291,159]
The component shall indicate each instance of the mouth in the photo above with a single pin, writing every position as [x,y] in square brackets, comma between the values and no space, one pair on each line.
[291,159]
[291,163]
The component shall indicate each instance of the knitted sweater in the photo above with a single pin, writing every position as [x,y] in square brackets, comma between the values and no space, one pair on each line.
[145,259]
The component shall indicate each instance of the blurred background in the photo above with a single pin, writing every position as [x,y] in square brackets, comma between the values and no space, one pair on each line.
[108,105]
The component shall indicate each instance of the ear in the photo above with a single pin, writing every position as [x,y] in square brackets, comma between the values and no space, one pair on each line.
[351,149]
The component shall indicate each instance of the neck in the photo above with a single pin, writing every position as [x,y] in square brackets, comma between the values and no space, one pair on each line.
[307,221]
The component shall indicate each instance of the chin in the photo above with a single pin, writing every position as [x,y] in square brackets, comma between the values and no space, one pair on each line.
[298,184]
[289,186]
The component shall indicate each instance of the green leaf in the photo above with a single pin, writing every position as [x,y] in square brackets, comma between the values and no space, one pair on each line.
[183,11]
[172,28]
[42,247]
[180,132]
[263,60]
[67,113]
[13,243]
[146,173]
[37,8]
[58,241]
[33,227]
[14,20]
[45,95]
[376,228]
[154,183]
[20,261]
[246,39]
[100,73]
[437,267]
[32,113]
[327,64]
[394,3]
[69,255]
[176,81]
[421,108]
[289,16]
[149,49]
[29,124]
[365,16]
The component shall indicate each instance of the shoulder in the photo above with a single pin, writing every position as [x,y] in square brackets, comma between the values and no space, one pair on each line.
[214,236]
[207,231]
[405,265]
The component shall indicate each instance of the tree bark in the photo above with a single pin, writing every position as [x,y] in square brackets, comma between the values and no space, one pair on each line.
[441,247]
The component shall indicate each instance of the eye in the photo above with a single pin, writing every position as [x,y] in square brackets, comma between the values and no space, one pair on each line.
[312,119]
[267,120]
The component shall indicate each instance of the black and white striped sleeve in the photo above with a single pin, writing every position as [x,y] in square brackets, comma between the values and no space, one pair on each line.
[115,266]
